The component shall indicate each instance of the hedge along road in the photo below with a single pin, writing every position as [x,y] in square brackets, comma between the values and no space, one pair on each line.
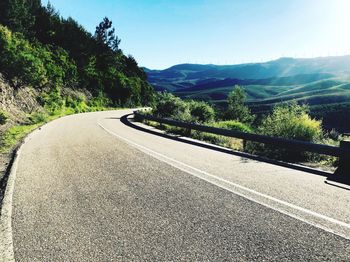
[91,188]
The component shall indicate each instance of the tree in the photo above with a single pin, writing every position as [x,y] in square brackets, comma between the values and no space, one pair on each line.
[201,112]
[105,36]
[19,15]
[170,106]
[131,68]
[42,49]
[236,109]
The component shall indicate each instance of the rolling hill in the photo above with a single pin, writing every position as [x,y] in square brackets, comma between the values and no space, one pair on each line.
[323,83]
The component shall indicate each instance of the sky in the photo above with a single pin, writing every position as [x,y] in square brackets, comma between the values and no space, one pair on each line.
[162,33]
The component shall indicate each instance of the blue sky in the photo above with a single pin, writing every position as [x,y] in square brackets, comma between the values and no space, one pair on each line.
[161,33]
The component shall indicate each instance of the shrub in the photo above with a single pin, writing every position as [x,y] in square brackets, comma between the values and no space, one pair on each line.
[77,102]
[53,101]
[233,125]
[201,112]
[170,106]
[38,117]
[100,101]
[290,121]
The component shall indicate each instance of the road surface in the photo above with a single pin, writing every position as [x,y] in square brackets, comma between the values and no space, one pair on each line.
[98,187]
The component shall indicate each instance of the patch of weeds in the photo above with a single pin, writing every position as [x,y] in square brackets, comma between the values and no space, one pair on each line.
[13,135]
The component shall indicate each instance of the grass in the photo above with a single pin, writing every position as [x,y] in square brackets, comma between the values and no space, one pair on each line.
[13,135]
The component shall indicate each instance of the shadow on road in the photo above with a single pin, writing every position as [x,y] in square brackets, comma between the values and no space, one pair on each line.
[125,120]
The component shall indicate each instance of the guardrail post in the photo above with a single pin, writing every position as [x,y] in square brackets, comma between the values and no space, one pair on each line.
[137,117]
[244,144]
[342,174]
[344,159]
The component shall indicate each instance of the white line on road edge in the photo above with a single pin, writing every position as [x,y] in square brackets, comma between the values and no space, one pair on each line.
[6,239]
[166,159]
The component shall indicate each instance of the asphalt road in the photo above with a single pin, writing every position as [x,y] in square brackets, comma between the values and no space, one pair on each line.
[92,188]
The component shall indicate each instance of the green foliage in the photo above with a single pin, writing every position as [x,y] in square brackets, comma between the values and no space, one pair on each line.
[100,101]
[233,125]
[46,50]
[291,121]
[170,106]
[13,135]
[201,112]
[38,117]
[222,140]
[3,117]
[22,62]
[19,15]
[210,138]
[77,103]
[53,101]
[54,105]
[105,36]
[236,108]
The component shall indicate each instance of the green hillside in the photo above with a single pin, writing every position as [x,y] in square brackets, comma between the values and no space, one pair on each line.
[40,48]
[323,83]
[51,66]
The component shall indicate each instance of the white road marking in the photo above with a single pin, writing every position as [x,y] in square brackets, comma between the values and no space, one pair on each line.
[6,238]
[171,162]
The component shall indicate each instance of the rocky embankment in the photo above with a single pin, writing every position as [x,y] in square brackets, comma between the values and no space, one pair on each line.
[16,104]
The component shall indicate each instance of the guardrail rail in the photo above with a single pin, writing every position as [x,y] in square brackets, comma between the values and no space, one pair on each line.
[341,175]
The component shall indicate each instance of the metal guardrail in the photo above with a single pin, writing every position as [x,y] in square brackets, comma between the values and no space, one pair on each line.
[275,141]
[343,151]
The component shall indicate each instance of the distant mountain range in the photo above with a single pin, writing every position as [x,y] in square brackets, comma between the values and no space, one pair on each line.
[323,83]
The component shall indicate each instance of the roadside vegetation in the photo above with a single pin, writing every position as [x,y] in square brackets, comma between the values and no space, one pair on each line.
[287,120]
[52,106]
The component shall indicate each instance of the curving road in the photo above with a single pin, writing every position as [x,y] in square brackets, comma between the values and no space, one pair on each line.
[98,187]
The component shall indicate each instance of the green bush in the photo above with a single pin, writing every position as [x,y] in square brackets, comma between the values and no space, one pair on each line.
[100,101]
[77,102]
[233,125]
[290,121]
[201,112]
[38,117]
[170,106]
[53,101]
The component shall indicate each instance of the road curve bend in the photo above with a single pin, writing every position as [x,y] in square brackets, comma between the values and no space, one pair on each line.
[98,187]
